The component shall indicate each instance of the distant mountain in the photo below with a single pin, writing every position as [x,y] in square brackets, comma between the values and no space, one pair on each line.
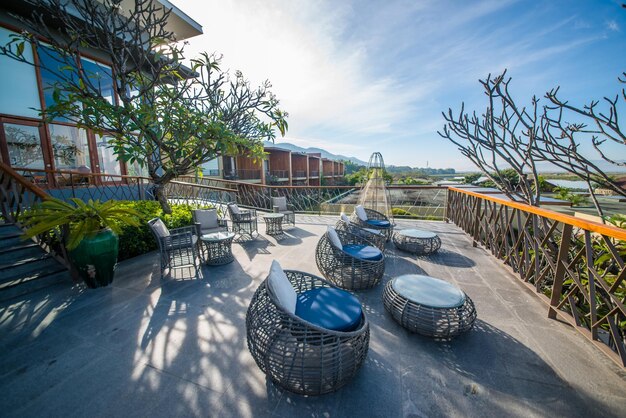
[325,154]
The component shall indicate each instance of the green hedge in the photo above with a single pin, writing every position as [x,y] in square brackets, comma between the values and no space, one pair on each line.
[139,240]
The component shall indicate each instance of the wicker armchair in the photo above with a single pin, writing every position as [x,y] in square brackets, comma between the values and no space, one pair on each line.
[244,221]
[285,208]
[208,222]
[177,247]
[377,237]
[374,220]
[298,355]
[343,268]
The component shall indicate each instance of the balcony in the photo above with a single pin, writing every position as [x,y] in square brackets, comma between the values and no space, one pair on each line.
[243,174]
[178,346]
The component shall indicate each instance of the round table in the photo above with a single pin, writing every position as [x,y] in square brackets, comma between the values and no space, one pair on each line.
[273,223]
[218,248]
[416,241]
[429,306]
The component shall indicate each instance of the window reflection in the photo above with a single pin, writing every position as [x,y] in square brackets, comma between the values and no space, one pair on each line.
[106,158]
[69,146]
[53,70]
[24,146]
[101,78]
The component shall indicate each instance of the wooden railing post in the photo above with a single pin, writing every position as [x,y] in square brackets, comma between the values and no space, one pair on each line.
[476,220]
[559,275]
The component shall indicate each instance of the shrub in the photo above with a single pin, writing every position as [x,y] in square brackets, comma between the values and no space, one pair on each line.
[403,213]
[139,240]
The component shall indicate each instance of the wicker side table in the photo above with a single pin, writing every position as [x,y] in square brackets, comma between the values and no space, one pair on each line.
[218,248]
[273,223]
[429,306]
[417,241]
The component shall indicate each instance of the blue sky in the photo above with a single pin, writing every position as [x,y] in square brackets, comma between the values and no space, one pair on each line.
[364,76]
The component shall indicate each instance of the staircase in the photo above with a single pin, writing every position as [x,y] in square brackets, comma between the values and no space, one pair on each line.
[24,266]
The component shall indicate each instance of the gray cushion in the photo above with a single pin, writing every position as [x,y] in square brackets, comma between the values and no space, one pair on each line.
[334,238]
[206,218]
[234,209]
[281,202]
[360,212]
[160,229]
[281,288]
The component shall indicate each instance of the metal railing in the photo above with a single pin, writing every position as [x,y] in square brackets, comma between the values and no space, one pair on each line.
[65,184]
[299,173]
[577,267]
[281,174]
[17,196]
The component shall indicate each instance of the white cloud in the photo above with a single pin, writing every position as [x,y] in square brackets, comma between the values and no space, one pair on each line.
[612,25]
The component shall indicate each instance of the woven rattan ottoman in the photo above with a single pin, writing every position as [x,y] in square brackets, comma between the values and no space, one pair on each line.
[429,306]
[417,241]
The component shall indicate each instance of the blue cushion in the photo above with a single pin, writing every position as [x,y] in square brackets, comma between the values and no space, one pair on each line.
[381,223]
[329,308]
[364,252]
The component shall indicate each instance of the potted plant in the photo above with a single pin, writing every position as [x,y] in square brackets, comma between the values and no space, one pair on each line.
[90,233]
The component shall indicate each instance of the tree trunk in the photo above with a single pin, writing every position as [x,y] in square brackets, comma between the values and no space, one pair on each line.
[159,194]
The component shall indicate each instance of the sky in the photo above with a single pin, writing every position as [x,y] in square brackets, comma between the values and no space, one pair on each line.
[364,76]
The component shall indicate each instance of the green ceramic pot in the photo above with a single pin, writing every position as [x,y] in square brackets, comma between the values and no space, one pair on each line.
[95,258]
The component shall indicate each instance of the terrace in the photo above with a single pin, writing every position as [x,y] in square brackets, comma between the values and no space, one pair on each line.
[177,346]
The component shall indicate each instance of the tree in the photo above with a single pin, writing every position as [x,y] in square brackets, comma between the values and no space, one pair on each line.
[559,140]
[519,137]
[502,138]
[171,117]
[471,178]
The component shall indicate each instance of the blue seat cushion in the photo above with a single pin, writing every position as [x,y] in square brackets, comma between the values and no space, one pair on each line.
[364,252]
[329,308]
[381,223]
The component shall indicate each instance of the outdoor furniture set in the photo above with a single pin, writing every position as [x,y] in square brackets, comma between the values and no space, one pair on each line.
[310,336]
[210,236]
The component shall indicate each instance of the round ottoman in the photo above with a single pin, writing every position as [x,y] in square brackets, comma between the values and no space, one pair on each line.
[429,306]
[416,241]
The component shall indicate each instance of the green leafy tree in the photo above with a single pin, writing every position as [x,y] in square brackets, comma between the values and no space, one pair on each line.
[471,178]
[172,114]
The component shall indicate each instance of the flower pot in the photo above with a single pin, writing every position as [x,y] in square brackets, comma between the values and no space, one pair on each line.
[95,258]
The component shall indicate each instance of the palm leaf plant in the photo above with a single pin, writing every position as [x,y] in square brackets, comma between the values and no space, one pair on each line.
[89,230]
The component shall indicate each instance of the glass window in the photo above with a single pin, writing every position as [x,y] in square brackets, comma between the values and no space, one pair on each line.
[18,82]
[53,70]
[69,146]
[24,146]
[106,158]
[100,76]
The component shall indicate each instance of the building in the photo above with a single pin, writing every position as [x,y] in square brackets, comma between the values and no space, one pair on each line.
[30,143]
[282,168]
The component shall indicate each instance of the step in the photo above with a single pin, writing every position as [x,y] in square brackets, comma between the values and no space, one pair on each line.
[13,275]
[9,231]
[33,285]
[21,256]
[15,241]
[18,250]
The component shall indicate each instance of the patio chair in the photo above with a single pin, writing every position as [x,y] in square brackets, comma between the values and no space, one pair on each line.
[374,235]
[244,221]
[285,209]
[177,247]
[208,222]
[348,260]
[305,334]
[369,218]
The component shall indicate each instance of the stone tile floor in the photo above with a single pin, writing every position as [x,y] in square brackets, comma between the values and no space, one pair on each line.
[177,347]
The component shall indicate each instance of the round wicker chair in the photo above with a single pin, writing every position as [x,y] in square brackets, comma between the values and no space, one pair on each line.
[378,239]
[345,270]
[297,355]
[377,216]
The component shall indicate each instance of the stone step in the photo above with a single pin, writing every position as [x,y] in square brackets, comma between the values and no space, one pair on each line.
[26,286]
[14,274]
